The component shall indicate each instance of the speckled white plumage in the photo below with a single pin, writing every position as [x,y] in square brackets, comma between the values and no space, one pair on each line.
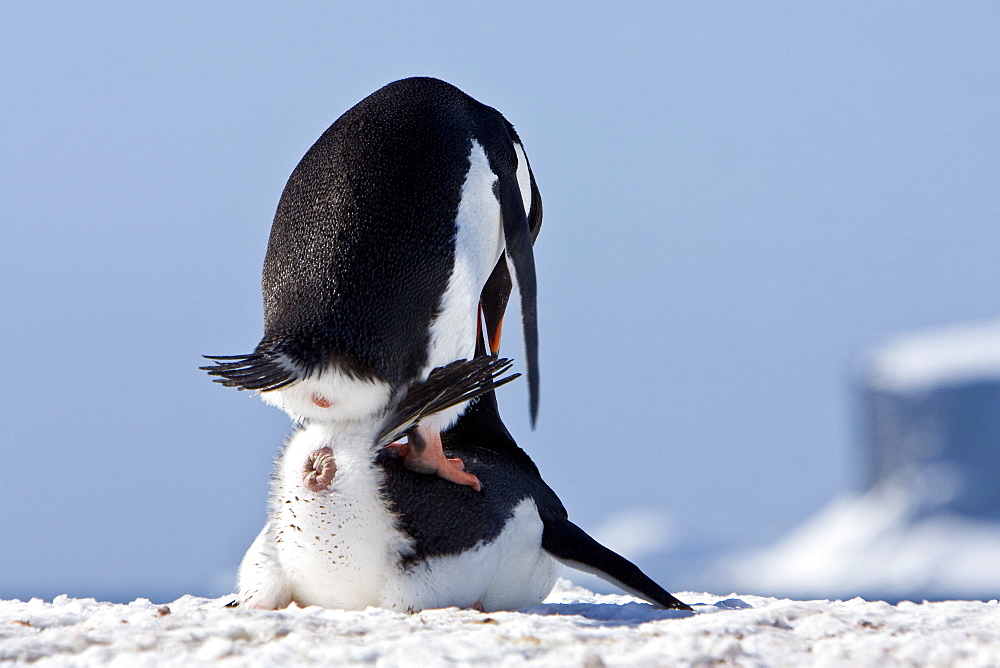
[340,547]
[333,547]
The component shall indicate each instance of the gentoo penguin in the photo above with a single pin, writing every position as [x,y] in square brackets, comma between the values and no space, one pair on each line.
[411,215]
[350,526]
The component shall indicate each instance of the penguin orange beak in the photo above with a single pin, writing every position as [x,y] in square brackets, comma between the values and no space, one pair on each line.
[494,338]
[493,331]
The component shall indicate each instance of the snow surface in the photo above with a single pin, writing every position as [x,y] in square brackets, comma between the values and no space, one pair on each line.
[918,362]
[574,627]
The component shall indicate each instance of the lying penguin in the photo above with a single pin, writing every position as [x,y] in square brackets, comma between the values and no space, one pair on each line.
[411,215]
[350,526]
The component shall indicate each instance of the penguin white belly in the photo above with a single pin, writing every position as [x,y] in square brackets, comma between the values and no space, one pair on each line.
[509,572]
[336,546]
[333,542]
[262,583]
[478,244]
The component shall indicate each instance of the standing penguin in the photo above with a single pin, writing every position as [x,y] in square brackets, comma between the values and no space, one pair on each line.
[349,526]
[410,216]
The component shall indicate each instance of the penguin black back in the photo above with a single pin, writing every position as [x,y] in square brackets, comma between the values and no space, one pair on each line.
[389,166]
[364,240]
[445,519]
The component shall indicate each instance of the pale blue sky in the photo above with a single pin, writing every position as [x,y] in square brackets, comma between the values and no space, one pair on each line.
[739,199]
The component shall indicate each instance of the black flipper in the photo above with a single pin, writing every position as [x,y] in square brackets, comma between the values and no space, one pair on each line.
[517,238]
[496,291]
[256,371]
[572,546]
[446,386]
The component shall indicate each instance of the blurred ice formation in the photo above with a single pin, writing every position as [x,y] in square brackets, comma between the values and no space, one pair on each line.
[927,521]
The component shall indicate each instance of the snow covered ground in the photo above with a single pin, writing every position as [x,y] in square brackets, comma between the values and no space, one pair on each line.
[572,628]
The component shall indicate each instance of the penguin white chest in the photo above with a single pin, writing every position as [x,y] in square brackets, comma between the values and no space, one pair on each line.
[331,540]
[478,244]
[479,241]
[335,540]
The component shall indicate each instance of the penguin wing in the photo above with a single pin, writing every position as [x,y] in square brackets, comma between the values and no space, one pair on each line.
[572,546]
[496,291]
[446,386]
[256,371]
[521,267]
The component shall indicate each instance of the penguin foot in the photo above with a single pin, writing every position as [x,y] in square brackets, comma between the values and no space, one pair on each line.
[319,469]
[430,461]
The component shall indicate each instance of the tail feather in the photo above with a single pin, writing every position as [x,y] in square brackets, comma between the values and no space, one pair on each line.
[256,371]
[447,386]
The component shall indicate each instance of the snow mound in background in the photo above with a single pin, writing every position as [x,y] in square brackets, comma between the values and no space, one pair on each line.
[574,627]
[881,544]
[915,363]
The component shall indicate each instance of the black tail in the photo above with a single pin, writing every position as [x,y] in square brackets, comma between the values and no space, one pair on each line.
[447,386]
[571,545]
[256,371]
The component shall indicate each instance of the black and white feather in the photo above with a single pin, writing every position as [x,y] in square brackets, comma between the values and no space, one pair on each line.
[378,534]
[412,208]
